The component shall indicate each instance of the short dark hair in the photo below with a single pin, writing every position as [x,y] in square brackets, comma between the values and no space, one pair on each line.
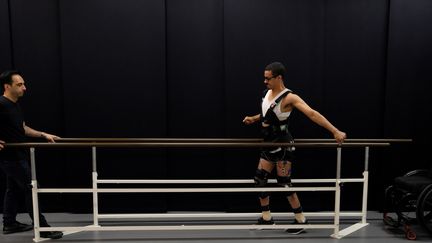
[277,69]
[6,77]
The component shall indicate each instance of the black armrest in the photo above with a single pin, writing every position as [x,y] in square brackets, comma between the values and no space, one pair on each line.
[420,172]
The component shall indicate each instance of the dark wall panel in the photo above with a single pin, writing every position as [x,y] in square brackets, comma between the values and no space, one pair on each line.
[195,92]
[5,44]
[5,62]
[37,55]
[195,68]
[408,84]
[355,38]
[267,31]
[355,57]
[114,67]
[113,62]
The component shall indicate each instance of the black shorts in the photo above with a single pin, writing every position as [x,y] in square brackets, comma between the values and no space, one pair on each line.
[275,155]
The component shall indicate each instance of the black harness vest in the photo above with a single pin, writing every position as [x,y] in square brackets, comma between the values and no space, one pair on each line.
[277,129]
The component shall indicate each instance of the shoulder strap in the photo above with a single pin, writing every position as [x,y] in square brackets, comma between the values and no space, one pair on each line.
[264,94]
[280,98]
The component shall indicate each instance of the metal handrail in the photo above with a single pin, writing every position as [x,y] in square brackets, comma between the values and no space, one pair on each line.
[224,140]
[189,144]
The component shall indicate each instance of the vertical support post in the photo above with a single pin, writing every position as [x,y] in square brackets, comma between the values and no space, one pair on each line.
[365,185]
[36,220]
[95,187]
[337,192]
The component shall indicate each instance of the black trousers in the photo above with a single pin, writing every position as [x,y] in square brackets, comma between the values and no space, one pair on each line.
[18,184]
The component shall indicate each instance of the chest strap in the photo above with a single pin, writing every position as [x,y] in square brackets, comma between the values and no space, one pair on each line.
[270,115]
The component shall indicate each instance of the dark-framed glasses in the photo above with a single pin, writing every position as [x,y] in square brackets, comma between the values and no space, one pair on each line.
[268,78]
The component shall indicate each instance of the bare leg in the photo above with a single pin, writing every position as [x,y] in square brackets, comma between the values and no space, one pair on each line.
[265,202]
[284,169]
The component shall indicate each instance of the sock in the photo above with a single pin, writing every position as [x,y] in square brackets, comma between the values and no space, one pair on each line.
[266,215]
[300,217]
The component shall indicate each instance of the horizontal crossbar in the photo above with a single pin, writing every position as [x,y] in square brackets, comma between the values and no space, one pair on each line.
[229,181]
[218,216]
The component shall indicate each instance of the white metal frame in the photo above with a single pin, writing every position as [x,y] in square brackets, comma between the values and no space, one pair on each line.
[337,214]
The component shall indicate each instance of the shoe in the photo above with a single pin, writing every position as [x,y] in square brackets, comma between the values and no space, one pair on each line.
[262,221]
[16,227]
[296,231]
[51,234]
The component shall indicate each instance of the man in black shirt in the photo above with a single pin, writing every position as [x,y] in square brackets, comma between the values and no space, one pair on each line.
[14,161]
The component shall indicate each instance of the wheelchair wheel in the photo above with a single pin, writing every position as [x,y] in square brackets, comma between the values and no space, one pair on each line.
[389,198]
[401,203]
[389,207]
[424,208]
[390,221]
[405,209]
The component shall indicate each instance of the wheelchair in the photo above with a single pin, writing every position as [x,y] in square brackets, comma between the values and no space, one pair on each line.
[410,198]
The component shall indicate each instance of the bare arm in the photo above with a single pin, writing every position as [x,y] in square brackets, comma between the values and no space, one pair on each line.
[315,116]
[38,134]
[251,119]
[1,144]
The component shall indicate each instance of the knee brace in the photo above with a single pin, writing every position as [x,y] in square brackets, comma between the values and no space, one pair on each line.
[285,181]
[261,177]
